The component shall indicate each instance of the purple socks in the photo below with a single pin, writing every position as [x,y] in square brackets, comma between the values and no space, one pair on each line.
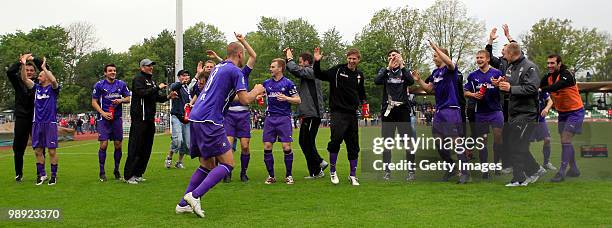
[213,177]
[288,162]
[53,170]
[244,163]
[353,164]
[117,156]
[40,169]
[102,160]
[269,160]
[333,158]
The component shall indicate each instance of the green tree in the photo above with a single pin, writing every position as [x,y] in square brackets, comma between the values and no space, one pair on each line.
[199,38]
[51,42]
[449,26]
[579,48]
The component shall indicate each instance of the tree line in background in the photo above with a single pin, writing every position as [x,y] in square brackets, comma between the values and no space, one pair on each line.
[77,63]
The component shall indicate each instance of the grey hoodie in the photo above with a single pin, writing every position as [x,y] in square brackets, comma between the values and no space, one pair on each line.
[524,80]
[309,90]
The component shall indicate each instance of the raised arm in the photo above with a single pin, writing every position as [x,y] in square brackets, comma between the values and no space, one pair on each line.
[322,75]
[293,68]
[24,76]
[49,74]
[507,33]
[252,54]
[447,60]
[213,55]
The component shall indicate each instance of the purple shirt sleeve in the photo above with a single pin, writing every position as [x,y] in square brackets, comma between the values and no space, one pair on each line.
[96,91]
[239,81]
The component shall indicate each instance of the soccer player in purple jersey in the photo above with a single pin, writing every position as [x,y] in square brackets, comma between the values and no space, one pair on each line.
[488,109]
[281,93]
[447,119]
[541,132]
[44,128]
[209,140]
[237,120]
[108,96]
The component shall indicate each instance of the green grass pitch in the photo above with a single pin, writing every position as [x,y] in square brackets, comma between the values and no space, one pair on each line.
[86,202]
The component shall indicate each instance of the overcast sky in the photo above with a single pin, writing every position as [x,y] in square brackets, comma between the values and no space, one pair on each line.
[120,24]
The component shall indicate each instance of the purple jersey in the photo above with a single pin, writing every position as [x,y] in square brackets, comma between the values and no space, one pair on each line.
[275,88]
[105,92]
[246,71]
[224,82]
[445,87]
[45,104]
[491,100]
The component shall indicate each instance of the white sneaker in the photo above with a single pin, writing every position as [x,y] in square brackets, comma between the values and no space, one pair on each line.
[536,176]
[41,179]
[324,165]
[549,166]
[183,210]
[334,178]
[140,179]
[354,180]
[289,180]
[194,203]
[514,184]
[270,180]
[168,163]
[131,181]
[179,165]
[320,175]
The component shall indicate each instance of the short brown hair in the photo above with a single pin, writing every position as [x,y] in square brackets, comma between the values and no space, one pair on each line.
[513,48]
[556,56]
[210,61]
[279,62]
[234,48]
[485,52]
[353,51]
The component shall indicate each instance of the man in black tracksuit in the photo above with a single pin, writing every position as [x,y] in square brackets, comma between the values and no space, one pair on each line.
[145,95]
[501,63]
[24,108]
[521,84]
[395,109]
[309,110]
[346,93]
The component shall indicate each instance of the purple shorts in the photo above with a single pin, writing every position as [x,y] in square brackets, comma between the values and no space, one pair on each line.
[540,132]
[44,135]
[238,124]
[447,122]
[110,130]
[571,121]
[484,120]
[207,140]
[277,127]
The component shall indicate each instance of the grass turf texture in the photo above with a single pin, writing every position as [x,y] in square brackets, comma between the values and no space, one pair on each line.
[583,201]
